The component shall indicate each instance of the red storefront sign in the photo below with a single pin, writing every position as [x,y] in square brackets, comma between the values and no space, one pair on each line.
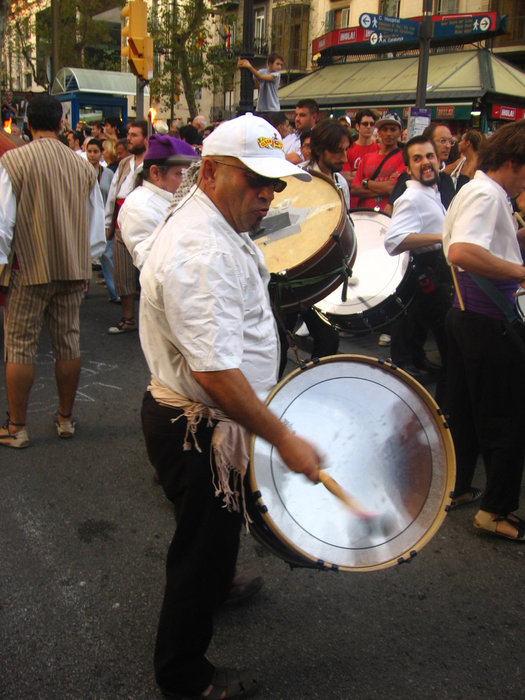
[339,37]
[445,112]
[508,113]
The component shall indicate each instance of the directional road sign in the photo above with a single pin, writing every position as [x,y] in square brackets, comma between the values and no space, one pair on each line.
[459,25]
[384,25]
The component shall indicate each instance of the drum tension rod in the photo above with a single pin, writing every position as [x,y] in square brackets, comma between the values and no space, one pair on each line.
[407,560]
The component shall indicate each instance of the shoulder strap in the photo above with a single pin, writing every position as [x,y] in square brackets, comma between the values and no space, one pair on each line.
[378,169]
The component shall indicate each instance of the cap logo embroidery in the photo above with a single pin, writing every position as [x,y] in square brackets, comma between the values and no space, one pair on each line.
[267,142]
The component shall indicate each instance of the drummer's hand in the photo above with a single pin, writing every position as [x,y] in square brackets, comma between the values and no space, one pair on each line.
[300,456]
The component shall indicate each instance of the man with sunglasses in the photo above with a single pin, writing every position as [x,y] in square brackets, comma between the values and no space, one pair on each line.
[365,124]
[209,337]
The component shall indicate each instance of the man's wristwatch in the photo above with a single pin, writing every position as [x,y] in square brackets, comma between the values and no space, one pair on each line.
[364,183]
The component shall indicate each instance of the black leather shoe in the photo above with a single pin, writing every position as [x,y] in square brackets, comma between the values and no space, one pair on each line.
[244,587]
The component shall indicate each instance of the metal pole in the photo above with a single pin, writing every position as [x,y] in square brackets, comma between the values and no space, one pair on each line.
[140,98]
[425,34]
[246,96]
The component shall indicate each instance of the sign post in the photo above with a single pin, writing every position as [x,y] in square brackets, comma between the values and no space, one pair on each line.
[425,35]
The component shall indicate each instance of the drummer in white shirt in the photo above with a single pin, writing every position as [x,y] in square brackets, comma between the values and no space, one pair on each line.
[417,226]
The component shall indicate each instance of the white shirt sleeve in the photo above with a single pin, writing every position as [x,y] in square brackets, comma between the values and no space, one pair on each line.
[97,232]
[7,215]
[110,201]
[138,217]
[405,220]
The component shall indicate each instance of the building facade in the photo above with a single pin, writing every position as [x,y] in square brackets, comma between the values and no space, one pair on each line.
[288,27]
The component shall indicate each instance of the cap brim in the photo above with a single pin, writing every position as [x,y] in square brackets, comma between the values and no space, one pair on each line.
[181,160]
[384,122]
[275,168]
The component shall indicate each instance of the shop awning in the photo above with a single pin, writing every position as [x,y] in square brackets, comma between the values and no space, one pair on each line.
[458,77]
[103,82]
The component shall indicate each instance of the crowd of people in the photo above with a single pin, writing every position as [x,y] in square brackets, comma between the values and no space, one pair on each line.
[181,211]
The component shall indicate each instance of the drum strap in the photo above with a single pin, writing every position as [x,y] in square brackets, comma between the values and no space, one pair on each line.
[492,292]
[378,169]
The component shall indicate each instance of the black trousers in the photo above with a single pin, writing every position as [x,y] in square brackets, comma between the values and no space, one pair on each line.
[485,390]
[325,337]
[202,555]
[427,311]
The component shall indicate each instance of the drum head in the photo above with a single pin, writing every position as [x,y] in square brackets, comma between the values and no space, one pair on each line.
[384,442]
[299,223]
[375,275]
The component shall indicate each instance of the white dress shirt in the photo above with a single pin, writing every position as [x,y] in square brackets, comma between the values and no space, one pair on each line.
[481,213]
[143,210]
[418,210]
[125,188]
[292,143]
[204,303]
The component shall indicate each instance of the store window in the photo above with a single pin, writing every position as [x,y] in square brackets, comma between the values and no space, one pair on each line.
[446,7]
[389,7]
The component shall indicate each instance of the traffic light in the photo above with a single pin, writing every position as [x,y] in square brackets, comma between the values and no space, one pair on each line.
[139,49]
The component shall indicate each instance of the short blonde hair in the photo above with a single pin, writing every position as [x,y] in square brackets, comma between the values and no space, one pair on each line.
[109,147]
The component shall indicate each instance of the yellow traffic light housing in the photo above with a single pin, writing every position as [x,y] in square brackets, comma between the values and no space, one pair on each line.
[139,49]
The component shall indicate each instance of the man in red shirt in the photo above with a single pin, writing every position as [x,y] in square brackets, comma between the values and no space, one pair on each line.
[377,172]
[365,143]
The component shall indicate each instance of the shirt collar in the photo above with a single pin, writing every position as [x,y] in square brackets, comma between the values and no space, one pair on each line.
[158,190]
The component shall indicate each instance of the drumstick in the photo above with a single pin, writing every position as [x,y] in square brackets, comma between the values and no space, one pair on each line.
[338,491]
[519,218]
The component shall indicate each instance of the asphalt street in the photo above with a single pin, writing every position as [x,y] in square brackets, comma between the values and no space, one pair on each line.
[85,529]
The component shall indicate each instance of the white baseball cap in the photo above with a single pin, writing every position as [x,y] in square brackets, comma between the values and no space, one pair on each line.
[256,143]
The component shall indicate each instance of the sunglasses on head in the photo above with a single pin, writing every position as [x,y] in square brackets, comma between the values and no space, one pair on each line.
[254,179]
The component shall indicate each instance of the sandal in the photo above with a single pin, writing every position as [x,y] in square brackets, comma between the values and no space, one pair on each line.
[226,684]
[489,523]
[65,428]
[17,439]
[125,325]
[473,494]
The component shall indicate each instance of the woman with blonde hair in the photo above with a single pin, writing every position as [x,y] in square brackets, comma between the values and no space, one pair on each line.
[110,154]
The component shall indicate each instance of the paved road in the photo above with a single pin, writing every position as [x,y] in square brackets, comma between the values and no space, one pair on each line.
[84,531]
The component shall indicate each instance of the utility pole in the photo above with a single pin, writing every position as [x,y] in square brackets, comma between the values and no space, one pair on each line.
[425,35]
[246,96]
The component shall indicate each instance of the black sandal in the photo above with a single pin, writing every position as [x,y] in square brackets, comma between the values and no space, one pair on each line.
[125,325]
[474,494]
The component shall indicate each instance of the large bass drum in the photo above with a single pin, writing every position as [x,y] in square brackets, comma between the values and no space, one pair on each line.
[384,441]
[381,286]
[307,240]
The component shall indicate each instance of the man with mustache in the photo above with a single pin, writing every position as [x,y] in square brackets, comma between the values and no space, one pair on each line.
[417,226]
[210,341]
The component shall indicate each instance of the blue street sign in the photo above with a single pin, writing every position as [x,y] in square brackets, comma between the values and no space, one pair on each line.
[385,26]
[457,26]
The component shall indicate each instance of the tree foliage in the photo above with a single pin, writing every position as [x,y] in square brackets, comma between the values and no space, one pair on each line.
[190,58]
[82,41]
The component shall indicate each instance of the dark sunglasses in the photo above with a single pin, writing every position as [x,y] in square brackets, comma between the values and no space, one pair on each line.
[256,181]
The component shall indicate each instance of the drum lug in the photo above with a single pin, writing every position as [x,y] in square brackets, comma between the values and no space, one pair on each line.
[407,560]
